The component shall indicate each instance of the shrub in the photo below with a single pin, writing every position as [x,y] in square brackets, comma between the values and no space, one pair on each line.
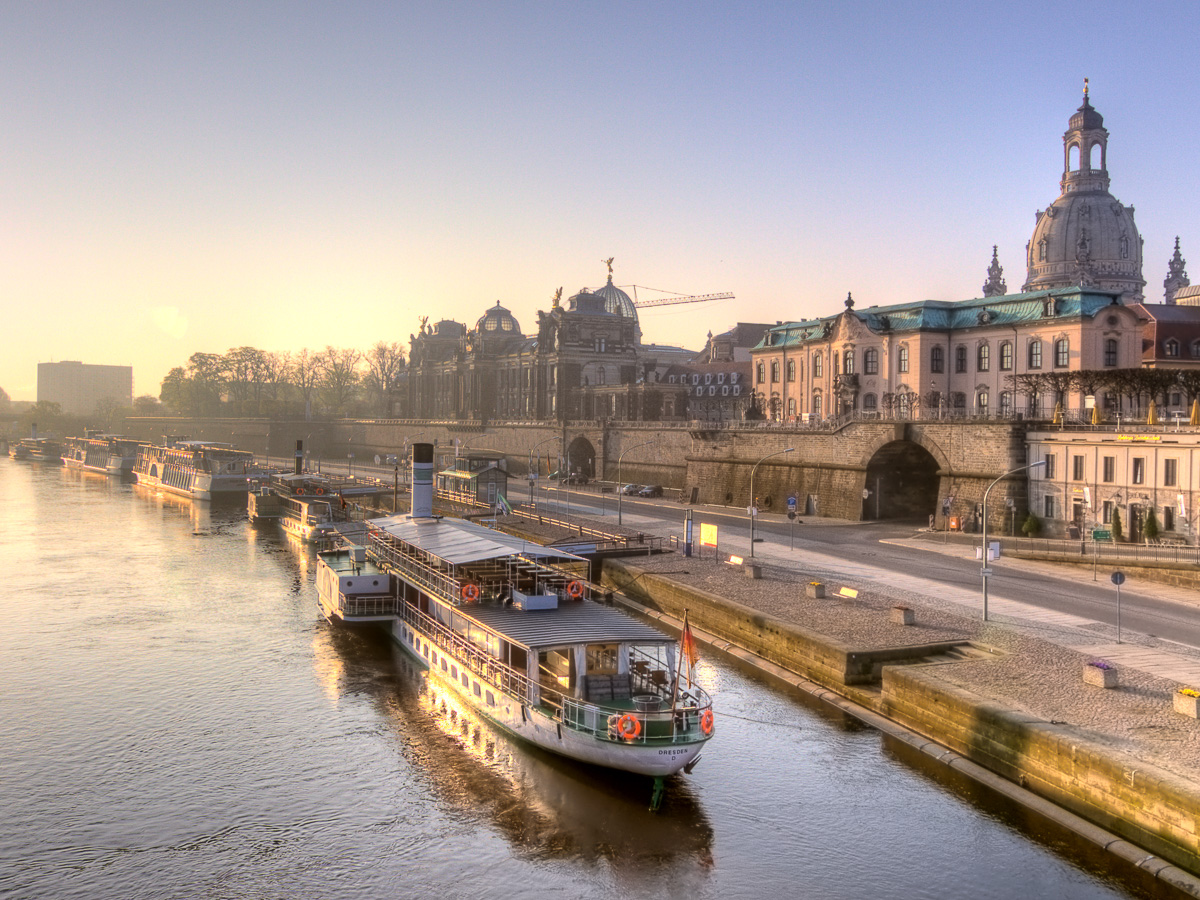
[1117,531]
[1032,526]
[1151,530]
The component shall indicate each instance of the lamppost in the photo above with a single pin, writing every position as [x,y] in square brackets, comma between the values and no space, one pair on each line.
[620,486]
[459,447]
[985,571]
[529,468]
[753,504]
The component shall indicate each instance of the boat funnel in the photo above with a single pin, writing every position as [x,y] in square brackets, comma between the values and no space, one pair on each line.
[422,481]
[299,457]
[33,433]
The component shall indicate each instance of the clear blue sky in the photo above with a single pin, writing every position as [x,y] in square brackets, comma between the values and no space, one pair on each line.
[194,177]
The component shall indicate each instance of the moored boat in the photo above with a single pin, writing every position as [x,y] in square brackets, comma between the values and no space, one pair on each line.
[509,626]
[37,449]
[110,454]
[197,469]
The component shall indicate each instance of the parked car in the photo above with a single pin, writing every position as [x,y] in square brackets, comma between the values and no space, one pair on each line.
[651,490]
[630,488]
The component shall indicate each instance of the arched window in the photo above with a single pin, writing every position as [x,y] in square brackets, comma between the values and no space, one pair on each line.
[1170,347]
[774,371]
[981,403]
[871,362]
[983,358]
[1110,352]
[1035,354]
[1006,356]
[848,362]
[1062,353]
[937,360]
[1006,403]
[816,365]
[816,405]
[902,359]
[869,402]
[1073,158]
[760,373]
[791,407]
[600,375]
[791,370]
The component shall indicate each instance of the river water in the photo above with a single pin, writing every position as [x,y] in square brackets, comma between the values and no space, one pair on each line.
[177,721]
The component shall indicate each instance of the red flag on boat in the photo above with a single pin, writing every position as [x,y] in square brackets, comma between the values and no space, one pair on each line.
[687,648]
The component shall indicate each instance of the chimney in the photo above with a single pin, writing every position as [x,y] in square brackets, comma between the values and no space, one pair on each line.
[33,434]
[422,481]
[299,457]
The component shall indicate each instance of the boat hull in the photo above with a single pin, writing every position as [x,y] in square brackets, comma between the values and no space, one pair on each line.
[536,726]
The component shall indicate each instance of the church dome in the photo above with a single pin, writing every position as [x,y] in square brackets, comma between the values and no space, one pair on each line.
[1086,238]
[497,320]
[617,301]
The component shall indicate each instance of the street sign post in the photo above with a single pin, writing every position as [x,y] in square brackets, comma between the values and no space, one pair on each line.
[1118,579]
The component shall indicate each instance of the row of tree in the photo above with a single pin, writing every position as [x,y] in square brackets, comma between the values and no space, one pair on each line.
[247,381]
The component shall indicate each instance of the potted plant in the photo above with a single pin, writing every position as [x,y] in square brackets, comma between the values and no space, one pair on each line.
[1187,702]
[1101,673]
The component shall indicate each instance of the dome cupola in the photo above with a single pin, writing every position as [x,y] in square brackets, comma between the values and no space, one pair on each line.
[497,321]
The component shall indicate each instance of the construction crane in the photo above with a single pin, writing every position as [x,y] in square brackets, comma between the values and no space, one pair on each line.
[671,301]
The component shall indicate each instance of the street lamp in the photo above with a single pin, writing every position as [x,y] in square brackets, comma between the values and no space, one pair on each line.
[529,468]
[753,505]
[620,486]
[460,446]
[985,571]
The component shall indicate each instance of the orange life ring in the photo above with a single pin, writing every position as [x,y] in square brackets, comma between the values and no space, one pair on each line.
[299,492]
[706,722]
[470,592]
[629,727]
[320,491]
[575,589]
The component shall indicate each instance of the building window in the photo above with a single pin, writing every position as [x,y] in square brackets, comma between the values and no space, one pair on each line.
[960,359]
[902,359]
[791,370]
[1035,354]
[1048,507]
[791,407]
[817,367]
[774,371]
[871,362]
[1195,349]
[983,358]
[848,364]
[1006,356]
[981,403]
[1110,353]
[937,360]
[1109,468]
[1006,403]
[816,405]
[1062,353]
[1049,467]
[1077,468]
[600,375]
[1170,473]
[869,403]
[1139,470]
[760,374]
[1170,347]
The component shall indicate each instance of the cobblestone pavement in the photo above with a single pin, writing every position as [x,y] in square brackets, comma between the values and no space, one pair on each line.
[1038,672]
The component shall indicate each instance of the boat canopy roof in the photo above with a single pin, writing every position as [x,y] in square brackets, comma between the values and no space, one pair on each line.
[458,542]
[581,622]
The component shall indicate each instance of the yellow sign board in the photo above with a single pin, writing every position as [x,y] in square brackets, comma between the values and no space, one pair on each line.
[708,535]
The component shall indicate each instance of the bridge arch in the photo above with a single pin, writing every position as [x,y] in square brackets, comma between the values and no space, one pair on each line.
[902,478]
[581,457]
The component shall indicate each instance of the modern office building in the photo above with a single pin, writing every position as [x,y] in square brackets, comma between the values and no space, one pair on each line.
[79,388]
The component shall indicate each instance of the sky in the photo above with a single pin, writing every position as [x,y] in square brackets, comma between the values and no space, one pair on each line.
[179,178]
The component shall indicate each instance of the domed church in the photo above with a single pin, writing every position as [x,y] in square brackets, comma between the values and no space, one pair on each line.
[1086,238]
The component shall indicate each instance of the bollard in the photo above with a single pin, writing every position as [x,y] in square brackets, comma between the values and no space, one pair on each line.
[815,590]
[902,615]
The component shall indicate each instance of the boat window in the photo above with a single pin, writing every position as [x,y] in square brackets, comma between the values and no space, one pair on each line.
[444,666]
[491,698]
[454,672]
[465,680]
[602,659]
[478,691]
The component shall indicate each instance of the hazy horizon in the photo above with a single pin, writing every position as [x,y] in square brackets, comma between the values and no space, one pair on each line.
[285,175]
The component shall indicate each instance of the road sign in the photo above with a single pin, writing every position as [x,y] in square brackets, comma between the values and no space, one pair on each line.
[791,514]
[377,460]
[752,510]
[866,493]
[792,503]
[985,572]
[1101,534]
[1118,578]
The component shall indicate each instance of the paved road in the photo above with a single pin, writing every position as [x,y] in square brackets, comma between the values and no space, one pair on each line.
[1151,609]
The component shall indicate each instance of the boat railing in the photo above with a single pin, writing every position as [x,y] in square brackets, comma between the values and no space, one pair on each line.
[651,720]
[367,606]
[432,580]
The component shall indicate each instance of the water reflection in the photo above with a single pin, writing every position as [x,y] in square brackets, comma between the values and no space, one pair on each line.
[546,807]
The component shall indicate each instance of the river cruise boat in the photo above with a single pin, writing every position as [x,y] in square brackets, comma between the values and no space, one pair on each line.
[197,469]
[510,627]
[308,507]
[37,449]
[108,454]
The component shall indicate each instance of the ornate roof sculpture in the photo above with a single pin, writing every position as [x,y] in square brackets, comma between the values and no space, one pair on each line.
[1086,238]
[995,285]
[1177,277]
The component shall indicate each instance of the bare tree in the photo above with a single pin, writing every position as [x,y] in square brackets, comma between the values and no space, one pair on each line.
[243,368]
[384,362]
[339,378]
[1189,383]
[206,375]
[305,374]
[276,370]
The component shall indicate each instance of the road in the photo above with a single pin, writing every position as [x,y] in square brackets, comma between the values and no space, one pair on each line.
[1145,607]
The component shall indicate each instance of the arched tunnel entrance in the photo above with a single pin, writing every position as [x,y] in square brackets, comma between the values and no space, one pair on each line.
[581,457]
[902,478]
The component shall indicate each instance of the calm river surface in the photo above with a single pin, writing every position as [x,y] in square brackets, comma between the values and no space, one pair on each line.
[177,721]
